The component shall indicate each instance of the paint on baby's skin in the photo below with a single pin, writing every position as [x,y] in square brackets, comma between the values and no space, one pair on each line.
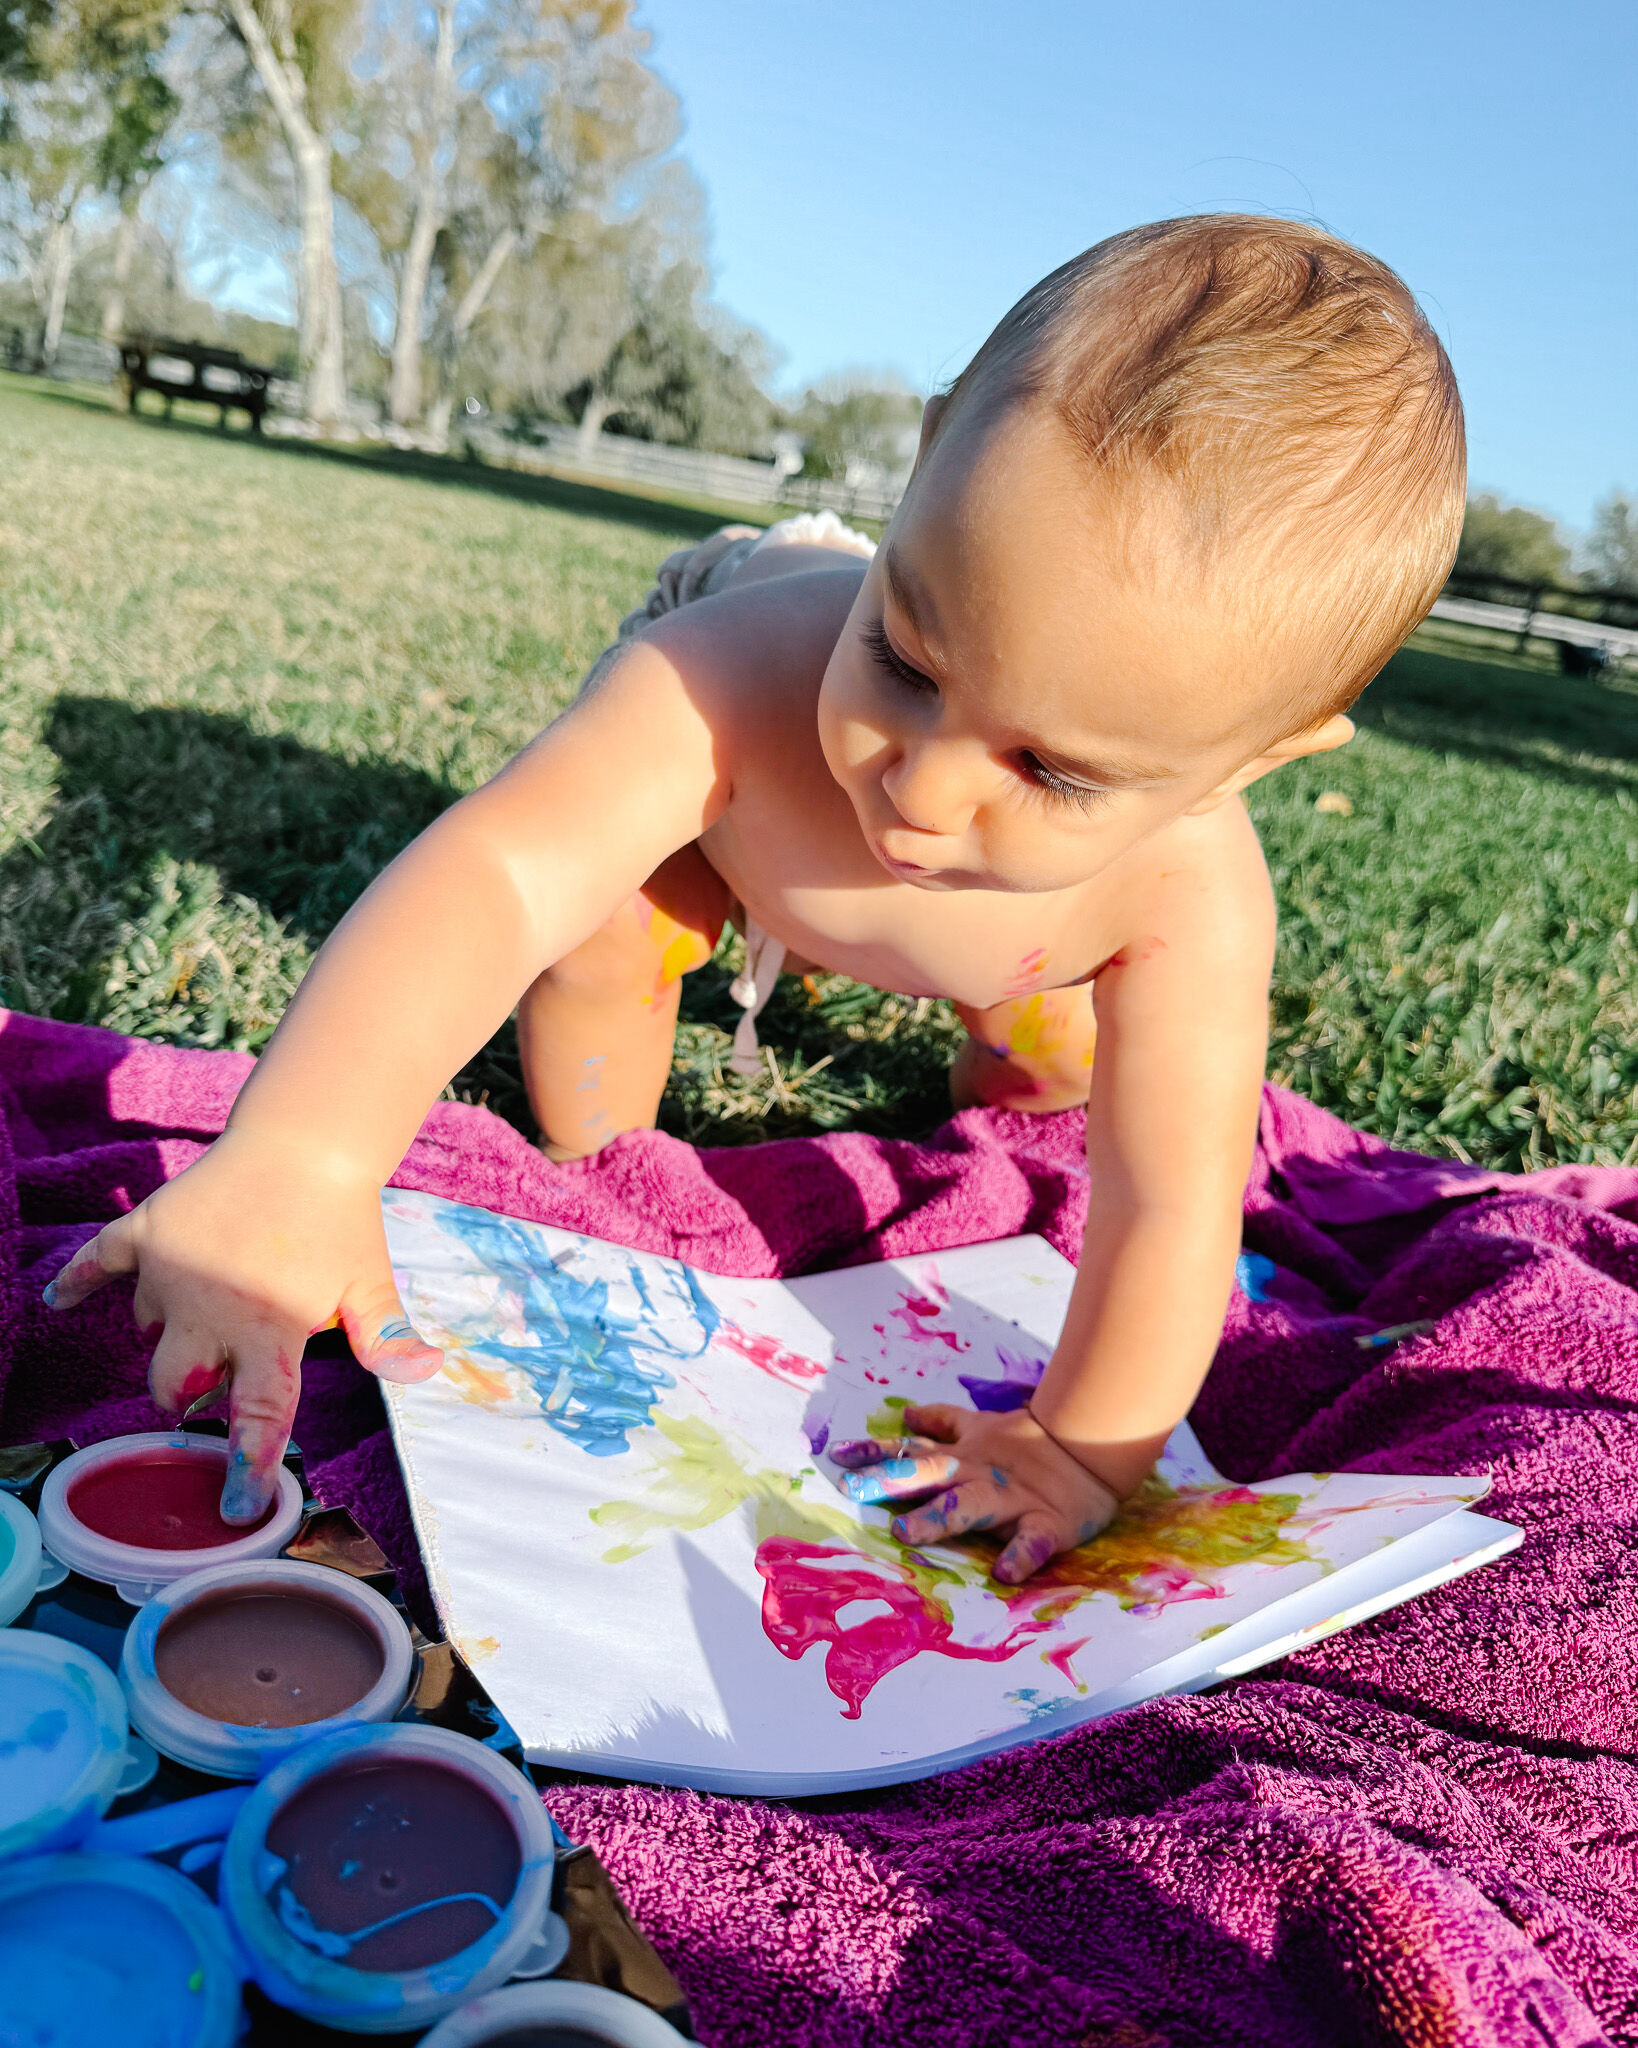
[595,1371]
[681,949]
[1027,973]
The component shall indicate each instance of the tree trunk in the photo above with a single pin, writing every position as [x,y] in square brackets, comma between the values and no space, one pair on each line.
[404,392]
[591,425]
[471,305]
[321,339]
[113,307]
[59,267]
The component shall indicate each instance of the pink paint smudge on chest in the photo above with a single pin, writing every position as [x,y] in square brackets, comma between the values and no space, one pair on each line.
[767,1354]
[803,1593]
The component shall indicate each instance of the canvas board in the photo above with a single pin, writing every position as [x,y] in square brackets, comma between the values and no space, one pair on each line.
[633,1535]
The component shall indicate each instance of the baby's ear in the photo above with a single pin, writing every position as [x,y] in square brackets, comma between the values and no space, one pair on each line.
[931,413]
[1323,738]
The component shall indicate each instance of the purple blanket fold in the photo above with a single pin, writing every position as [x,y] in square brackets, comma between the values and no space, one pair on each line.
[1421,1831]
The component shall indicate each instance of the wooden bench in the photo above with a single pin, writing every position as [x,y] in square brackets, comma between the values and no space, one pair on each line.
[189,369]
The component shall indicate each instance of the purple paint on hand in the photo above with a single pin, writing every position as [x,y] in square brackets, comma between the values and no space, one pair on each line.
[859,1451]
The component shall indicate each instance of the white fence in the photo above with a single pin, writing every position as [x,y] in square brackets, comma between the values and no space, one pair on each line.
[728,478]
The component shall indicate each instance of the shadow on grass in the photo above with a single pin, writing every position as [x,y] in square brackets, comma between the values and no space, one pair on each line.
[451,472]
[1509,716]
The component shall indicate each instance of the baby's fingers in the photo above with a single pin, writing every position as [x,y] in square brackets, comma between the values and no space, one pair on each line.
[383,1339]
[871,1450]
[111,1252]
[980,1504]
[1037,1539]
[899,1478]
[186,1363]
[266,1384]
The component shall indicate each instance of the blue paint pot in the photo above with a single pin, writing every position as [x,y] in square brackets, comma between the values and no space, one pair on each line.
[377,1878]
[62,1742]
[19,1558]
[102,1949]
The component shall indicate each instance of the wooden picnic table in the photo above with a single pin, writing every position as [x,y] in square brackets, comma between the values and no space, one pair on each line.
[190,369]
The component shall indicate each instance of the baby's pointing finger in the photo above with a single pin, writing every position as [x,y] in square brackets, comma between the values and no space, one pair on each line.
[266,1384]
[898,1479]
[939,1420]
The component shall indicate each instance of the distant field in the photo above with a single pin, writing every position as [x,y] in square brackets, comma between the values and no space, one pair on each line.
[236,679]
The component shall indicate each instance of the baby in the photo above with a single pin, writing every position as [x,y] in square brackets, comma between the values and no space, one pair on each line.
[1177,512]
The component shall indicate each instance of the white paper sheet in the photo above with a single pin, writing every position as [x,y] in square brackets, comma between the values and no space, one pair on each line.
[634,1537]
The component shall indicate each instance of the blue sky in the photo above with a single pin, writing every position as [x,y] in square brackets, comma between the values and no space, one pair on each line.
[886,176]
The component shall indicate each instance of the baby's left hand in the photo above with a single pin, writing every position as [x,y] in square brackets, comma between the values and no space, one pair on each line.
[998,1472]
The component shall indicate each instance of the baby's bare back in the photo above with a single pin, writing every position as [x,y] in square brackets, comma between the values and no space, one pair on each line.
[789,847]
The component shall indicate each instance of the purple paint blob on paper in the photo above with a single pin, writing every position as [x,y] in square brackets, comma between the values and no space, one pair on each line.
[1020,1377]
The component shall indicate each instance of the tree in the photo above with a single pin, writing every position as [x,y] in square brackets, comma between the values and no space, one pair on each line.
[858,425]
[299,51]
[679,372]
[49,134]
[1612,546]
[487,126]
[1499,539]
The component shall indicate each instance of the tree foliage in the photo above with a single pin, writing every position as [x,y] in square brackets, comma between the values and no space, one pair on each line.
[1499,539]
[1612,546]
[858,425]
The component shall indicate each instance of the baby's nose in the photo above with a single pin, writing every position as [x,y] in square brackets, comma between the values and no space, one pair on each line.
[932,790]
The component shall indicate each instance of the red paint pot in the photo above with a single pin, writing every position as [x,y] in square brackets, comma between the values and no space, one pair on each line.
[378,1878]
[140,1511]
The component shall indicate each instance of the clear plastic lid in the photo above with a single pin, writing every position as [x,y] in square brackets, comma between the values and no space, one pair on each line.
[19,1558]
[302,1963]
[62,1741]
[590,2009]
[351,1630]
[137,1570]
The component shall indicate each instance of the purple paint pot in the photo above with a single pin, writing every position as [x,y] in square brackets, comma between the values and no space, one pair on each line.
[229,1669]
[139,1511]
[378,1877]
[552,2016]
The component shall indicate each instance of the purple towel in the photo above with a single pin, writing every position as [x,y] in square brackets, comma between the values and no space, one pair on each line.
[1422,1831]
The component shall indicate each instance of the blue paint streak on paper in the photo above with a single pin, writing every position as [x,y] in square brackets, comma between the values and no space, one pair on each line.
[594,1369]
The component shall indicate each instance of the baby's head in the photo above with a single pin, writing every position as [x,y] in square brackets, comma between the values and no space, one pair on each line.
[1165,527]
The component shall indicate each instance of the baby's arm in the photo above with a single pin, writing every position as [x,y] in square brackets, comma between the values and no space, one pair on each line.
[277,1229]
[1172,1118]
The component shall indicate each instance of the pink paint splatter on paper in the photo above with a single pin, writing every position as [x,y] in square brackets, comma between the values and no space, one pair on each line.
[768,1355]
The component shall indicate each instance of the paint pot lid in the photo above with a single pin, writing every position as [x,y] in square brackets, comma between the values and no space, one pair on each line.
[96,1949]
[570,2010]
[19,1557]
[235,1750]
[134,1570]
[62,1741]
[296,1972]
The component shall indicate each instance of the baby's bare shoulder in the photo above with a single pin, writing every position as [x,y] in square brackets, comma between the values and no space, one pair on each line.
[1203,885]
[749,652]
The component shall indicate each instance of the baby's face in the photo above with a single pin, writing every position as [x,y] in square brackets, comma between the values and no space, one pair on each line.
[1010,706]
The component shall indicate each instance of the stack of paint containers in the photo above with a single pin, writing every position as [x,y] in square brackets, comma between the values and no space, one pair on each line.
[369,1873]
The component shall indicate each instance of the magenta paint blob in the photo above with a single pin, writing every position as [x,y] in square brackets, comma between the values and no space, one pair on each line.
[405,1842]
[159,1498]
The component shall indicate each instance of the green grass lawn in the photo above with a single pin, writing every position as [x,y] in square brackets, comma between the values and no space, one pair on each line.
[236,679]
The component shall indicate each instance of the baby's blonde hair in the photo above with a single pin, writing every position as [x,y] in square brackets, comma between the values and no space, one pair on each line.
[1292,396]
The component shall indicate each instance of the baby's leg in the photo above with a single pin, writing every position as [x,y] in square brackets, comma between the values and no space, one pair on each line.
[1030,1052]
[595,1031]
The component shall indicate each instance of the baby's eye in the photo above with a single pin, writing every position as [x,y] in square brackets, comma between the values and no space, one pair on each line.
[887,657]
[1058,786]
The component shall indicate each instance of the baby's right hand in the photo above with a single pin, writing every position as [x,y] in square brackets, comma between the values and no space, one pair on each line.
[238,1261]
